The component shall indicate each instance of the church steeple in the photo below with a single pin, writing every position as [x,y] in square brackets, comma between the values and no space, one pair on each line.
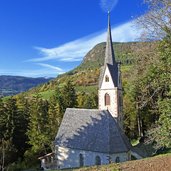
[110,86]
[109,55]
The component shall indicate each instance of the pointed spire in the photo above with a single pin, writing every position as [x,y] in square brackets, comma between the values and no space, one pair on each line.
[109,55]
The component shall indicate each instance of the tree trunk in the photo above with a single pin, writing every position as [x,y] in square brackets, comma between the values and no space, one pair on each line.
[139,121]
[3,156]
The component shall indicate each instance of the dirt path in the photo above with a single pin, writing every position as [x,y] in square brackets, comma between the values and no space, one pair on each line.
[160,163]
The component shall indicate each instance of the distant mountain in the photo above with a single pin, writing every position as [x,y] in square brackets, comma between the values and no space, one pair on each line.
[95,57]
[11,85]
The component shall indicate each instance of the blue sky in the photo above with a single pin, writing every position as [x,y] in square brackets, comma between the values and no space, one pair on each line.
[43,38]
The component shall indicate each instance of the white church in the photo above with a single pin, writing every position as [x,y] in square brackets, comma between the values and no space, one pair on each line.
[88,137]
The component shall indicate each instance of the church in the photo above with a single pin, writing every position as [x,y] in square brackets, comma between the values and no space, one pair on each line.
[88,137]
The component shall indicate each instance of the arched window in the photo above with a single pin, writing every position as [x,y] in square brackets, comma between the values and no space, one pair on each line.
[106,78]
[98,160]
[107,99]
[117,160]
[81,159]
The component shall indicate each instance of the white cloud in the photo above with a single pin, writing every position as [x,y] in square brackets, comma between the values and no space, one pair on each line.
[51,67]
[77,49]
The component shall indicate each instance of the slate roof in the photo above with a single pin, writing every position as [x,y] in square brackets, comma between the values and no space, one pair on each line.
[91,130]
[109,59]
[109,55]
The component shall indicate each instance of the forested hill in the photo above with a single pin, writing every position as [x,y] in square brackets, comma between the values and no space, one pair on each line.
[86,75]
[95,57]
[11,85]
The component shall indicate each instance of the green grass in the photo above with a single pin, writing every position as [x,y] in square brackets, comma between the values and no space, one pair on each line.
[6,98]
[134,142]
[126,68]
[89,89]
[47,94]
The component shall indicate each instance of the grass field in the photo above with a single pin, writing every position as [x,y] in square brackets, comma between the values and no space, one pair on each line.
[47,94]
[157,163]
[90,89]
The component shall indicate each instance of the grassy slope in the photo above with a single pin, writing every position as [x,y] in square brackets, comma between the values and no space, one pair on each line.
[157,163]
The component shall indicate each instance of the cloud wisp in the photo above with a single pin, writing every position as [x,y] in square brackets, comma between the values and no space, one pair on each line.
[77,49]
[59,70]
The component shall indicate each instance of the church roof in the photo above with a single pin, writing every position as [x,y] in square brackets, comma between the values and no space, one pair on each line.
[109,55]
[91,130]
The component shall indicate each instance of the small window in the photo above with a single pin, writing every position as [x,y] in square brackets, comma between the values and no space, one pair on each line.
[117,160]
[98,160]
[81,159]
[106,79]
[107,99]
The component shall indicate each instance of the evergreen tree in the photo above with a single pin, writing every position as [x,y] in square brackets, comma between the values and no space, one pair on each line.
[161,134]
[54,118]
[38,124]
[80,99]
[9,116]
[68,96]
[2,119]
[20,137]
[90,101]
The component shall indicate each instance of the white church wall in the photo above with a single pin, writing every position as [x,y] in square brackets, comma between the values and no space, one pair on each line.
[109,84]
[69,158]
[113,107]
[121,156]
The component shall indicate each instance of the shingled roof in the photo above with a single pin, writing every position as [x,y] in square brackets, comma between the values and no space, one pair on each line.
[109,54]
[91,130]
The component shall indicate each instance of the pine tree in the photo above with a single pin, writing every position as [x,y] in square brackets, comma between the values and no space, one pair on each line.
[2,119]
[38,123]
[161,133]
[11,114]
[81,99]
[54,119]
[68,96]
[90,101]
[20,137]
[9,117]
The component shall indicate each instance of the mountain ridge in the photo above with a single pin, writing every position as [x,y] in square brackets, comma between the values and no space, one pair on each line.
[12,85]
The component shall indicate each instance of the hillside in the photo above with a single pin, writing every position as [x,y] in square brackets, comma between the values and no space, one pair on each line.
[158,163]
[85,76]
[11,85]
[137,72]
